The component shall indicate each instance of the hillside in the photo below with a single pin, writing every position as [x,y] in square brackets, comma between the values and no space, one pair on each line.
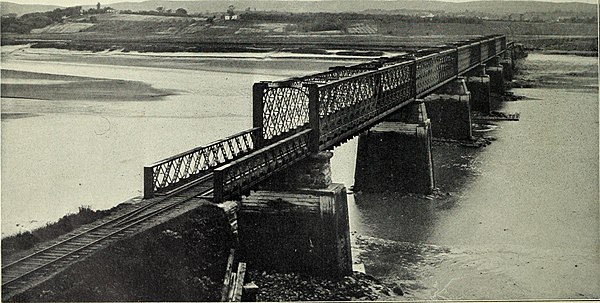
[487,7]
[20,9]
[203,6]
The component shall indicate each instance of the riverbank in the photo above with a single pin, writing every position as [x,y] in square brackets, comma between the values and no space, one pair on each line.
[277,64]
[183,259]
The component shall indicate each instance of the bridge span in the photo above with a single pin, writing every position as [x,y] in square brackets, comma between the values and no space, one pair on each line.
[295,117]
[296,122]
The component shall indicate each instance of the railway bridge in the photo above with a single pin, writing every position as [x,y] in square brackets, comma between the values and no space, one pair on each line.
[291,215]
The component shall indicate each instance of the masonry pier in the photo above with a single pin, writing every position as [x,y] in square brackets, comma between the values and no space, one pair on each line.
[297,221]
[496,78]
[479,87]
[395,155]
[450,111]
[507,66]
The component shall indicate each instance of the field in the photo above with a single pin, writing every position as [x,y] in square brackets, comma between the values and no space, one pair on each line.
[169,33]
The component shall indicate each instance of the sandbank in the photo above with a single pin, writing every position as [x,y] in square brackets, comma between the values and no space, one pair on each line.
[62,87]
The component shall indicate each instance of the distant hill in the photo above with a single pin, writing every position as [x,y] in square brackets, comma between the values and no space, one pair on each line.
[374,6]
[20,9]
[489,7]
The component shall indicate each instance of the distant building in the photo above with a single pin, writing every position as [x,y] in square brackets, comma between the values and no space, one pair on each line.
[10,15]
[428,16]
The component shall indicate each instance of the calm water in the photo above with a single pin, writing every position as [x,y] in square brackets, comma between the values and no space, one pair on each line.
[518,219]
[80,152]
[521,220]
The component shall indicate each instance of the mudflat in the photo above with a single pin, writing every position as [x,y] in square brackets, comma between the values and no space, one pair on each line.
[30,85]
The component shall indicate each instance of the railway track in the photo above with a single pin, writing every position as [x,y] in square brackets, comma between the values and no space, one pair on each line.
[32,269]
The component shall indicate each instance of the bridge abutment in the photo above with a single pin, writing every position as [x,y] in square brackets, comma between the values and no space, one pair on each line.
[297,221]
[395,155]
[450,111]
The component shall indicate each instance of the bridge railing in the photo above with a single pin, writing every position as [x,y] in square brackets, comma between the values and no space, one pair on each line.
[279,109]
[235,178]
[303,115]
[173,172]
[435,69]
[351,103]
[464,57]
[484,49]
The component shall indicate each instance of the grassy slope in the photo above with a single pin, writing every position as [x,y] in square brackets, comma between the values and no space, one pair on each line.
[26,240]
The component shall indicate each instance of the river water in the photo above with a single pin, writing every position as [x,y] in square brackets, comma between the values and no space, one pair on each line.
[518,219]
[59,155]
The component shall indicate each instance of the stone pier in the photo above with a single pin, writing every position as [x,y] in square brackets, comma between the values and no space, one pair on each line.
[297,221]
[450,111]
[479,87]
[507,68]
[395,155]
[496,79]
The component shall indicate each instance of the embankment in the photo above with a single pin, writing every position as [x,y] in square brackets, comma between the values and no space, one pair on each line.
[181,260]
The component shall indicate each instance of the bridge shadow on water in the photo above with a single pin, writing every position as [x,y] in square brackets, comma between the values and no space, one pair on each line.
[391,231]
[407,217]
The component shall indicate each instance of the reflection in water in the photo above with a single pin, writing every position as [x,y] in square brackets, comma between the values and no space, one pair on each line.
[399,218]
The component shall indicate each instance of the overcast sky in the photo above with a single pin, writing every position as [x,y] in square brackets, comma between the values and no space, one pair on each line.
[92,2]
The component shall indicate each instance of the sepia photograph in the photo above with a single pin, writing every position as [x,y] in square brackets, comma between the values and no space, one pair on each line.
[299,150]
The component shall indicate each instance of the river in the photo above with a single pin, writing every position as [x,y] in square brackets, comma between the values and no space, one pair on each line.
[58,155]
[518,219]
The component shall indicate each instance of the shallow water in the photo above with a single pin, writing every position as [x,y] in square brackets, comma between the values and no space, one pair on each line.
[59,155]
[515,220]
[518,219]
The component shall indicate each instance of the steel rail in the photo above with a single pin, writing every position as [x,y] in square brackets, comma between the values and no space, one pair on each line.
[125,223]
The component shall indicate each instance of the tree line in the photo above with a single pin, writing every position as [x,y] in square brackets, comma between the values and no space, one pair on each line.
[25,23]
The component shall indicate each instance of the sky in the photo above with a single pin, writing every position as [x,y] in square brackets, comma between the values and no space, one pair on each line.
[93,2]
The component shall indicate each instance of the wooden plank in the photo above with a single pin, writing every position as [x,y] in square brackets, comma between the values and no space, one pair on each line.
[239,283]
[231,288]
[228,273]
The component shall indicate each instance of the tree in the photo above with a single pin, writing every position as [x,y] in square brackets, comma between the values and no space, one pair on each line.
[160,9]
[230,11]
[98,6]
[181,11]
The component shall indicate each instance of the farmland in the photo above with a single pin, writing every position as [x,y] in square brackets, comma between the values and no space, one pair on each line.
[135,32]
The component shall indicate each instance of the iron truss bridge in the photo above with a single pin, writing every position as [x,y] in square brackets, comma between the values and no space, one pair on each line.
[292,119]
[295,117]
